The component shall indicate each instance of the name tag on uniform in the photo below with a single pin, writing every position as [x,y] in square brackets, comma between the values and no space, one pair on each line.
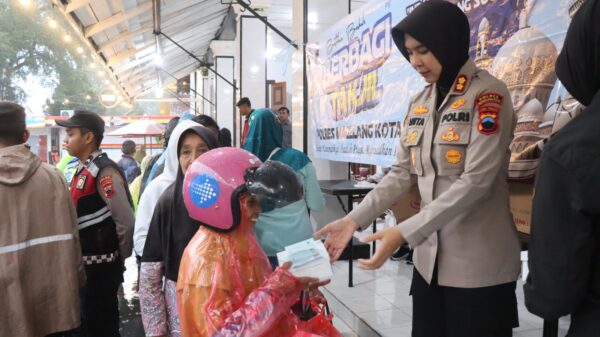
[81,182]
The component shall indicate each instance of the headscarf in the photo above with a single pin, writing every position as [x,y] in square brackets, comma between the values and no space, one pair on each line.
[171,227]
[578,65]
[155,188]
[264,134]
[444,29]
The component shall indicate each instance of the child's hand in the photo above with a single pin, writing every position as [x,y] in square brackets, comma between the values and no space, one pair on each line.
[307,283]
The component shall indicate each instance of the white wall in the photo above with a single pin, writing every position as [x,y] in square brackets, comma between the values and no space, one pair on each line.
[225,96]
[253,66]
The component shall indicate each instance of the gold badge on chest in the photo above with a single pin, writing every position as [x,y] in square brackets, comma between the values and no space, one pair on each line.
[411,137]
[453,156]
[451,135]
[81,182]
[420,110]
[459,103]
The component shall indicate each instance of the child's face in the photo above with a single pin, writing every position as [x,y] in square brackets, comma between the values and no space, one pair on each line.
[252,208]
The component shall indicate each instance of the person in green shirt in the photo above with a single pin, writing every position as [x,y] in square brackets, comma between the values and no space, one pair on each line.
[281,227]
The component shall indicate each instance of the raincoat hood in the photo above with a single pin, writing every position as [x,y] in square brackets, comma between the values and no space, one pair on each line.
[172,162]
[17,164]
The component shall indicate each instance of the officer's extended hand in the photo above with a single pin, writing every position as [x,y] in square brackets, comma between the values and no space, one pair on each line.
[390,238]
[339,233]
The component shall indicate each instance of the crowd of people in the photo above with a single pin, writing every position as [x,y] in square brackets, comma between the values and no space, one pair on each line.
[205,220]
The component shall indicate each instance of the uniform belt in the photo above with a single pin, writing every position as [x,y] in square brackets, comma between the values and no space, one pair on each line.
[97,259]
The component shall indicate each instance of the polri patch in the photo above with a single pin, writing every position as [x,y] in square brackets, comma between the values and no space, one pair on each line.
[106,183]
[456,116]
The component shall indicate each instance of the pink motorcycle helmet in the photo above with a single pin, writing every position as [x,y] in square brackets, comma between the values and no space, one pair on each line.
[213,184]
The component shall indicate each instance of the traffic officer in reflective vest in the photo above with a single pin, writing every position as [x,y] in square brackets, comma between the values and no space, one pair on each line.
[105,219]
[455,141]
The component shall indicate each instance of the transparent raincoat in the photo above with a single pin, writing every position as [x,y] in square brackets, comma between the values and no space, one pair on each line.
[225,286]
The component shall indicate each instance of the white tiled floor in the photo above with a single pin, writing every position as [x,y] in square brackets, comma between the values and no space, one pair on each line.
[379,304]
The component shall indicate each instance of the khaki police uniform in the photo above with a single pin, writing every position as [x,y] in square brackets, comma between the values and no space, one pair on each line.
[459,154]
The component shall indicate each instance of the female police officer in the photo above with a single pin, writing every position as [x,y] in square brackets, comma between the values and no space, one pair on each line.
[455,139]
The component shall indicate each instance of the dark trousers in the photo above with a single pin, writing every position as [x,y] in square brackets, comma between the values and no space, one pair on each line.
[99,302]
[459,312]
[72,333]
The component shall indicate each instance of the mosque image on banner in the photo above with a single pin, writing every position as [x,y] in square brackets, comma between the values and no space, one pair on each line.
[517,41]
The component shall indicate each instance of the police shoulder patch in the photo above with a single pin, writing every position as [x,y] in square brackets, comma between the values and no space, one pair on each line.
[488,107]
[489,98]
[106,183]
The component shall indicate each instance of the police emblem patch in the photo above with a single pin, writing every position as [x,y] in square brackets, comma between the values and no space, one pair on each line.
[488,107]
[106,183]
[451,135]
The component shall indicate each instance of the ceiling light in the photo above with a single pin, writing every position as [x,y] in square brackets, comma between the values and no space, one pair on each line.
[67,38]
[80,50]
[52,23]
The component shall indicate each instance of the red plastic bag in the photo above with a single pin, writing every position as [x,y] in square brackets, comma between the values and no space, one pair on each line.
[305,334]
[321,324]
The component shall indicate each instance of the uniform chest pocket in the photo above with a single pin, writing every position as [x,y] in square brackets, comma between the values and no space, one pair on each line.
[413,140]
[450,148]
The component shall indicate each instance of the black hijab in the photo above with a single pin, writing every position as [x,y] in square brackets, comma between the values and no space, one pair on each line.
[444,29]
[171,228]
[578,65]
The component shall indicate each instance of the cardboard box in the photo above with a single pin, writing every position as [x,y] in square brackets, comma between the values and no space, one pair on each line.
[521,197]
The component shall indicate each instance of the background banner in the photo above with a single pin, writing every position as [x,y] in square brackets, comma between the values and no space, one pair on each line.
[360,84]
